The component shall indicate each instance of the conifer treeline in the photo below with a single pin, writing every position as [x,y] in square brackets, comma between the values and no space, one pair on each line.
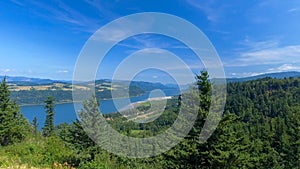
[259,129]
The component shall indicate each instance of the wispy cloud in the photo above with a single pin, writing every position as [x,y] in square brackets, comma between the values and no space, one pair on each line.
[153,41]
[5,70]
[160,41]
[294,10]
[208,7]
[66,13]
[63,71]
[116,31]
[272,55]
[17,2]
[265,52]
[275,69]
[222,32]
[285,67]
[245,74]
[259,45]
[103,7]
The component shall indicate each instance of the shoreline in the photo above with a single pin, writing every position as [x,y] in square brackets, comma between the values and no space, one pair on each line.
[104,99]
[66,102]
[133,105]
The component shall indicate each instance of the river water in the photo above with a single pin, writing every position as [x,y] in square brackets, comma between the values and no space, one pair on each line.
[65,113]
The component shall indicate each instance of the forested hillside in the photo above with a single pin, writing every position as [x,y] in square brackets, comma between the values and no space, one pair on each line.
[260,128]
[33,92]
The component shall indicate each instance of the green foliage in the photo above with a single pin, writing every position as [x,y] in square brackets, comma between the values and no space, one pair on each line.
[41,152]
[34,126]
[204,87]
[48,129]
[13,126]
[32,97]
[259,129]
[56,151]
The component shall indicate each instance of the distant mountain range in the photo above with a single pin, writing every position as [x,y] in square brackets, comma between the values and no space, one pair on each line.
[279,75]
[27,90]
[27,81]
[31,91]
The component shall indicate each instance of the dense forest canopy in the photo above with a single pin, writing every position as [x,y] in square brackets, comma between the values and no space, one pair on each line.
[259,129]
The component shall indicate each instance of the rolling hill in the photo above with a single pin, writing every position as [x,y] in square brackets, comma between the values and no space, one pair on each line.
[278,75]
[27,90]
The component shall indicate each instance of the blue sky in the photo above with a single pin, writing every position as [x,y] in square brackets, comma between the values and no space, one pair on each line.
[44,38]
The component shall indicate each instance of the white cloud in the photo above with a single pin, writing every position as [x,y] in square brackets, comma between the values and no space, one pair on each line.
[272,55]
[103,7]
[208,7]
[116,31]
[152,51]
[264,53]
[17,2]
[5,70]
[113,36]
[259,45]
[66,13]
[219,31]
[293,10]
[152,41]
[282,68]
[63,71]
[246,74]
[285,67]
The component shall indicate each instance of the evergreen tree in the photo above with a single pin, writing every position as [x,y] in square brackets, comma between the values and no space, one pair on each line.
[204,87]
[35,124]
[189,153]
[13,126]
[48,129]
[4,95]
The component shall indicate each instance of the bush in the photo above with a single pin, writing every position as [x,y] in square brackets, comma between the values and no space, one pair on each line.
[41,152]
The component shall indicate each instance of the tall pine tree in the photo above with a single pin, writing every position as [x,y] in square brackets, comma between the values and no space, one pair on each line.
[13,126]
[48,129]
[35,126]
[190,153]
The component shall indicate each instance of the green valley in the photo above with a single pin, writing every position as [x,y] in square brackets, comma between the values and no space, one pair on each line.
[35,93]
[259,129]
